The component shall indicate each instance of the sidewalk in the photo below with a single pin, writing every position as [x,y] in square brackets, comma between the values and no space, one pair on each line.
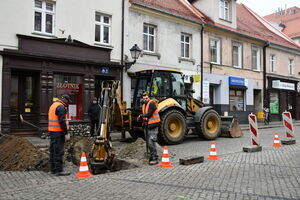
[276,124]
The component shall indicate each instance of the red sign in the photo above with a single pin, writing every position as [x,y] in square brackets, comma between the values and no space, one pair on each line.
[71,86]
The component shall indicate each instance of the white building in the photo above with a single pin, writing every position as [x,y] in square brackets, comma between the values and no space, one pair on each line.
[49,48]
[169,35]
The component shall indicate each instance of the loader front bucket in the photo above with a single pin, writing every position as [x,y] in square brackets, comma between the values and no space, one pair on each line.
[230,127]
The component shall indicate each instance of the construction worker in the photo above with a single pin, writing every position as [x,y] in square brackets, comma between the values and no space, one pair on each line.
[93,112]
[58,126]
[151,120]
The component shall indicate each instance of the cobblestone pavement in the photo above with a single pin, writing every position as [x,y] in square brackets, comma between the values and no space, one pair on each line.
[273,173]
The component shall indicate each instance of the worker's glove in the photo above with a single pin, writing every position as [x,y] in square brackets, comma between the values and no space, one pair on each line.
[67,137]
[139,118]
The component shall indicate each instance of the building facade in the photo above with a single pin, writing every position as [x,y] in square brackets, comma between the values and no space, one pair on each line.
[53,51]
[169,34]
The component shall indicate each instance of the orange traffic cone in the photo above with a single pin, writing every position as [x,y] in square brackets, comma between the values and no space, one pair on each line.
[83,169]
[276,141]
[165,162]
[213,152]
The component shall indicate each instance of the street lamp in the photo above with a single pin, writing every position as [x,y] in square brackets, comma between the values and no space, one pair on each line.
[135,52]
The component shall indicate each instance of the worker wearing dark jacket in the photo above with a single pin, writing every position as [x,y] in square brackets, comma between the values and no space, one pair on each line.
[94,115]
[58,126]
[151,117]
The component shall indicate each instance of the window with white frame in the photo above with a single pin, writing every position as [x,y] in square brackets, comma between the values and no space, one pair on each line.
[224,9]
[237,54]
[185,45]
[255,59]
[291,67]
[215,51]
[102,28]
[149,38]
[272,63]
[44,12]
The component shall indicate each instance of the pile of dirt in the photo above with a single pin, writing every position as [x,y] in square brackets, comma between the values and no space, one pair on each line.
[75,147]
[18,154]
[135,150]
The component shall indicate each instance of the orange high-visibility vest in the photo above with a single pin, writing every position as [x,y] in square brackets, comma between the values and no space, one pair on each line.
[155,117]
[53,121]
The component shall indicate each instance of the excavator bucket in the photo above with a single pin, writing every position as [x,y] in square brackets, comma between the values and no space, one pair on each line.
[230,127]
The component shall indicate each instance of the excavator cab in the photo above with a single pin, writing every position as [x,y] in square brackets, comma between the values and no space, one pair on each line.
[159,85]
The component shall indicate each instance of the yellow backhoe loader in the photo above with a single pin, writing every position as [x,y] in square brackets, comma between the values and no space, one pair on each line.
[180,113]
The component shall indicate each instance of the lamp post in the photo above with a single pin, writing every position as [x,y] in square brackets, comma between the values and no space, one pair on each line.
[135,52]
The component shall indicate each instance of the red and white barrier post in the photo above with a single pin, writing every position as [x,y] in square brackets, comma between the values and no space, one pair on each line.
[254,135]
[289,128]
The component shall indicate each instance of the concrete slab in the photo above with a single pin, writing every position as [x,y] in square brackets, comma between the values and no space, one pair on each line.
[288,142]
[251,149]
[191,160]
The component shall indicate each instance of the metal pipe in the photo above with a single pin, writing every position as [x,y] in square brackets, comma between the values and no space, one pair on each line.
[265,74]
[122,46]
[201,82]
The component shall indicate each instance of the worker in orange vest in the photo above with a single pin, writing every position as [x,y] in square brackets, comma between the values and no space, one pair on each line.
[58,126]
[151,120]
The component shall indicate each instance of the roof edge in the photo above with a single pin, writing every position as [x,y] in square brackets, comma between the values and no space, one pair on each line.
[270,27]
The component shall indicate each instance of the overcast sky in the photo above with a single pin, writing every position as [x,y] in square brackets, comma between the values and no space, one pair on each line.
[265,7]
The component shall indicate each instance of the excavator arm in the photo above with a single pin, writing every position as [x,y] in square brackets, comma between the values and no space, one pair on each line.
[102,156]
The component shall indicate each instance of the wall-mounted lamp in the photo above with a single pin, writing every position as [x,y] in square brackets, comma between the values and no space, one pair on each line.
[135,52]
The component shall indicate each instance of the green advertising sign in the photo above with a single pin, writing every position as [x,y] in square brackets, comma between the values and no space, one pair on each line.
[274,107]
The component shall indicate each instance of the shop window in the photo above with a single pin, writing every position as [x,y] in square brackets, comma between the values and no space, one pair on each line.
[44,12]
[274,103]
[236,100]
[71,85]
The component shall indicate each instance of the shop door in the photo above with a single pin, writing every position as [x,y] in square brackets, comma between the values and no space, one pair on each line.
[23,100]
[212,96]
[291,104]
[283,102]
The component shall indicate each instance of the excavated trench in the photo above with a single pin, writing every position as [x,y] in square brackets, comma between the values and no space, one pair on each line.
[18,154]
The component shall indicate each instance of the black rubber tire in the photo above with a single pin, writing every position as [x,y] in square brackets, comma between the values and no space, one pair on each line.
[202,129]
[164,136]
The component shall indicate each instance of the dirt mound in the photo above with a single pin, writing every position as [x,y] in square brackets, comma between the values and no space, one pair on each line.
[135,150]
[76,146]
[18,154]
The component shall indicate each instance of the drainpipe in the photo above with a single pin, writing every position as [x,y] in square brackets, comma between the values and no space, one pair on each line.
[267,43]
[201,82]
[122,47]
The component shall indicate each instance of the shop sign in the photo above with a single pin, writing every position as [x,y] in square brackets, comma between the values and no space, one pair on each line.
[298,87]
[67,86]
[187,79]
[283,85]
[104,70]
[237,81]
[197,78]
[206,92]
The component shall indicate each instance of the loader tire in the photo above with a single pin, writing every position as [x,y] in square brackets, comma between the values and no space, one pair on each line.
[210,125]
[172,127]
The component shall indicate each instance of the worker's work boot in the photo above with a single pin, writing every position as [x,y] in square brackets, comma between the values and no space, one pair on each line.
[63,173]
[153,162]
